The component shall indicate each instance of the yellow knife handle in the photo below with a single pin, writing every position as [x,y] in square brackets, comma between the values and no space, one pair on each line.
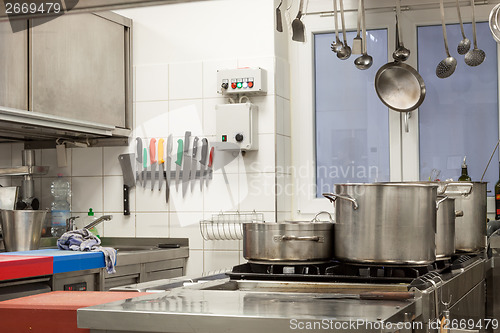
[160,151]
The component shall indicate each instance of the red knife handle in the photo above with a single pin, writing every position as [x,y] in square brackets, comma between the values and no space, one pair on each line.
[211,157]
[152,150]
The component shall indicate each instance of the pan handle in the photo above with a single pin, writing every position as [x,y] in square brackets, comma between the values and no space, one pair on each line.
[332,197]
[459,213]
[407,117]
[315,219]
[464,193]
[281,238]
[440,201]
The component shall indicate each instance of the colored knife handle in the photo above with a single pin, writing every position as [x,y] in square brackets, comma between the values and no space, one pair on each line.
[126,206]
[211,158]
[187,136]
[152,150]
[160,151]
[138,156]
[195,146]
[204,151]
[145,159]
[179,152]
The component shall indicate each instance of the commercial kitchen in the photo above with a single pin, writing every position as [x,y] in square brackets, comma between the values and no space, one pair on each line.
[243,166]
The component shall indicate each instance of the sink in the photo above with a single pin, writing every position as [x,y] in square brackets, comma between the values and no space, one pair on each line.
[129,244]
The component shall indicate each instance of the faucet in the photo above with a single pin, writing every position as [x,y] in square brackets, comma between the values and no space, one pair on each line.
[98,221]
[70,223]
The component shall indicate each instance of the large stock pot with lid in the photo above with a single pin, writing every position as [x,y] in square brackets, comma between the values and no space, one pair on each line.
[385,223]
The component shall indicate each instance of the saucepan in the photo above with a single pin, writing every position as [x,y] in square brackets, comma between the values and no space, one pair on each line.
[289,241]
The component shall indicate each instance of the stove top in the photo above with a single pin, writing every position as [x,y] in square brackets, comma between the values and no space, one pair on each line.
[335,271]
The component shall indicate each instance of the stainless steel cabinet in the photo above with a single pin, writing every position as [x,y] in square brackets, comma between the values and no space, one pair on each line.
[66,78]
[79,67]
[13,67]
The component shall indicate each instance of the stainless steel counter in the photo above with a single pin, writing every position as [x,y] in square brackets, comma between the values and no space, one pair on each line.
[190,309]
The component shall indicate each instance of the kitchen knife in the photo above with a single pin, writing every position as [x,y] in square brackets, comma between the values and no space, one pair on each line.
[203,161]
[161,164]
[152,159]
[128,179]
[373,295]
[186,168]
[170,144]
[145,167]
[194,162]
[178,163]
[210,164]
[138,158]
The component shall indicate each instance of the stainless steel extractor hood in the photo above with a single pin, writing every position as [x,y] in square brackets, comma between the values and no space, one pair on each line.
[86,6]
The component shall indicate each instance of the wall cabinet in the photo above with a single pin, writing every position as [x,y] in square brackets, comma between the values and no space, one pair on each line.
[72,73]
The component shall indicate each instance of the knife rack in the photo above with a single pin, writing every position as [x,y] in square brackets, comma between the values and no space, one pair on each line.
[147,175]
[228,226]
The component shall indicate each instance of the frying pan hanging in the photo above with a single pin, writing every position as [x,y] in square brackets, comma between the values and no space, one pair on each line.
[398,85]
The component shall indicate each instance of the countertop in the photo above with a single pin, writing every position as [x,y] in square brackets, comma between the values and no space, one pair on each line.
[196,309]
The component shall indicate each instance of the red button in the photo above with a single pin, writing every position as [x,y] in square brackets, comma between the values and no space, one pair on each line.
[250,84]
[233,85]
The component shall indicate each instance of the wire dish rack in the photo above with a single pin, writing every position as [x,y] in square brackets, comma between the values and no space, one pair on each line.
[228,225]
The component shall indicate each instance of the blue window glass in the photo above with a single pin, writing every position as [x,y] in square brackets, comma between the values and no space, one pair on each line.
[459,116]
[352,125]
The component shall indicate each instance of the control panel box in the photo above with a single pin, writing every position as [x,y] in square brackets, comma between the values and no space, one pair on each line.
[237,124]
[245,81]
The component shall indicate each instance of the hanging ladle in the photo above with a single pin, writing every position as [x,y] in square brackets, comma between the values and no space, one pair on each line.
[345,51]
[474,57]
[364,61]
[464,45]
[401,53]
[337,44]
[279,21]
[448,65]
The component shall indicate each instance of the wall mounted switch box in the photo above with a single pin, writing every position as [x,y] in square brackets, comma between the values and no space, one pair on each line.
[236,124]
[245,81]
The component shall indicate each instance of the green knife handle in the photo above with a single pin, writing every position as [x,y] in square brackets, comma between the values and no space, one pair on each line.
[180,150]
[145,158]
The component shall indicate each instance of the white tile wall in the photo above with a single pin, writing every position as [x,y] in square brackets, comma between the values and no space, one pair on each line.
[172,96]
[151,82]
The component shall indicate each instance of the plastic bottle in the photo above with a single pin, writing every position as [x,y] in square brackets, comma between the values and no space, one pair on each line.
[60,207]
[91,218]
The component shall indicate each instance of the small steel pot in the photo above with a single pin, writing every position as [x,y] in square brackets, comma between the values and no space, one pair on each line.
[445,230]
[470,197]
[288,241]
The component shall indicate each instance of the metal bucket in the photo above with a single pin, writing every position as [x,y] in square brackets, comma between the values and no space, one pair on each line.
[385,223]
[470,230]
[22,229]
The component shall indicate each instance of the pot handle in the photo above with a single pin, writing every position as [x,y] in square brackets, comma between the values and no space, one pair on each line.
[440,201]
[459,213]
[332,197]
[317,239]
[466,193]
[315,219]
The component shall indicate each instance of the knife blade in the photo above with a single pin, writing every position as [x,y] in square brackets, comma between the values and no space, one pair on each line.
[170,144]
[145,167]
[210,164]
[152,159]
[178,163]
[161,164]
[203,161]
[128,179]
[194,162]
[138,158]
[186,168]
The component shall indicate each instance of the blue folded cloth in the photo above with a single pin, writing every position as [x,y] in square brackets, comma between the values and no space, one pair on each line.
[84,240]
